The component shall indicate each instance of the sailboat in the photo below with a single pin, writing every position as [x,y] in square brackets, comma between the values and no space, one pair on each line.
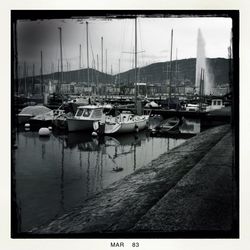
[126,122]
[85,115]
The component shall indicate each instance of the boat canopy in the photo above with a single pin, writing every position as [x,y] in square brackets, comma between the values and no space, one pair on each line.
[34,110]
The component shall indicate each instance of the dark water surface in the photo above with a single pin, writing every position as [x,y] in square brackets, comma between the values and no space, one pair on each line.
[58,173]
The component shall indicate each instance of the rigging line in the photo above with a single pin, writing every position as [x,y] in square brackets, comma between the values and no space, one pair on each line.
[142,61]
[93,58]
[92,53]
[131,59]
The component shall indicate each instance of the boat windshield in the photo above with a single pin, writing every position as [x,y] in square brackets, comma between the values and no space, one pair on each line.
[83,112]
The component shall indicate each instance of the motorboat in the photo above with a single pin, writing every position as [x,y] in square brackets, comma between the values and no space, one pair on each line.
[215,105]
[84,118]
[126,122]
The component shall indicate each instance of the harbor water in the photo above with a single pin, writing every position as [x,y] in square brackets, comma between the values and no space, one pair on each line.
[58,173]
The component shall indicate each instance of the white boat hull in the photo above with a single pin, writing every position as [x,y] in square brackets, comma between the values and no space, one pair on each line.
[126,127]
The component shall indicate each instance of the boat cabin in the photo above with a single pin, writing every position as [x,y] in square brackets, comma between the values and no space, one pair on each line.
[126,116]
[215,104]
[89,111]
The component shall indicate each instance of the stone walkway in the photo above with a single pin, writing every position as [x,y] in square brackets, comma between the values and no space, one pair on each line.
[201,200]
[181,190]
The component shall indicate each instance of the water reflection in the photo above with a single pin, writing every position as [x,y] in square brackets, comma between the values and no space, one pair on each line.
[190,126]
[58,173]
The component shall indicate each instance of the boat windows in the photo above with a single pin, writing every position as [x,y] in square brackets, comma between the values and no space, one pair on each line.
[83,112]
[79,112]
[86,113]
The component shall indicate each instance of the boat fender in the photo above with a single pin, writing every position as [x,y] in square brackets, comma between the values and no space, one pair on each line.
[94,133]
[96,126]
[50,128]
[27,125]
[44,132]
[136,128]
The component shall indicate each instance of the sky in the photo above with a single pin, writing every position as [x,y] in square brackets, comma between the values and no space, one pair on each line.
[153,41]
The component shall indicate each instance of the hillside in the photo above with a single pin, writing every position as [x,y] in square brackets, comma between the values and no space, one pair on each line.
[153,73]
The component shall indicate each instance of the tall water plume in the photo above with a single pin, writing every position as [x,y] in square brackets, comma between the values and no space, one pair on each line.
[202,63]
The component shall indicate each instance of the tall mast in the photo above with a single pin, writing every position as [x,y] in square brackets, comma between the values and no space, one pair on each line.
[135,63]
[106,52]
[92,71]
[67,65]
[61,56]
[80,57]
[80,62]
[24,73]
[106,71]
[119,79]
[176,73]
[58,75]
[33,78]
[97,74]
[102,52]
[87,37]
[171,69]
[201,87]
[42,72]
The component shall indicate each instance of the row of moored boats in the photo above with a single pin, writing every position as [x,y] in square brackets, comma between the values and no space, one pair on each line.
[88,117]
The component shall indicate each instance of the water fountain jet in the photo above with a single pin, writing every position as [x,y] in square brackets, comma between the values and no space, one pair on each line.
[202,63]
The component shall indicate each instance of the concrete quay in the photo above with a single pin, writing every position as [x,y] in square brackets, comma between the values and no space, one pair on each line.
[189,189]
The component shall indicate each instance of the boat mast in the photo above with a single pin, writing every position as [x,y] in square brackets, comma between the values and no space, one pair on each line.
[61,57]
[135,64]
[102,52]
[80,60]
[171,69]
[176,73]
[119,78]
[42,73]
[33,78]
[201,87]
[25,82]
[106,71]
[87,37]
[102,58]
[80,57]
[97,75]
